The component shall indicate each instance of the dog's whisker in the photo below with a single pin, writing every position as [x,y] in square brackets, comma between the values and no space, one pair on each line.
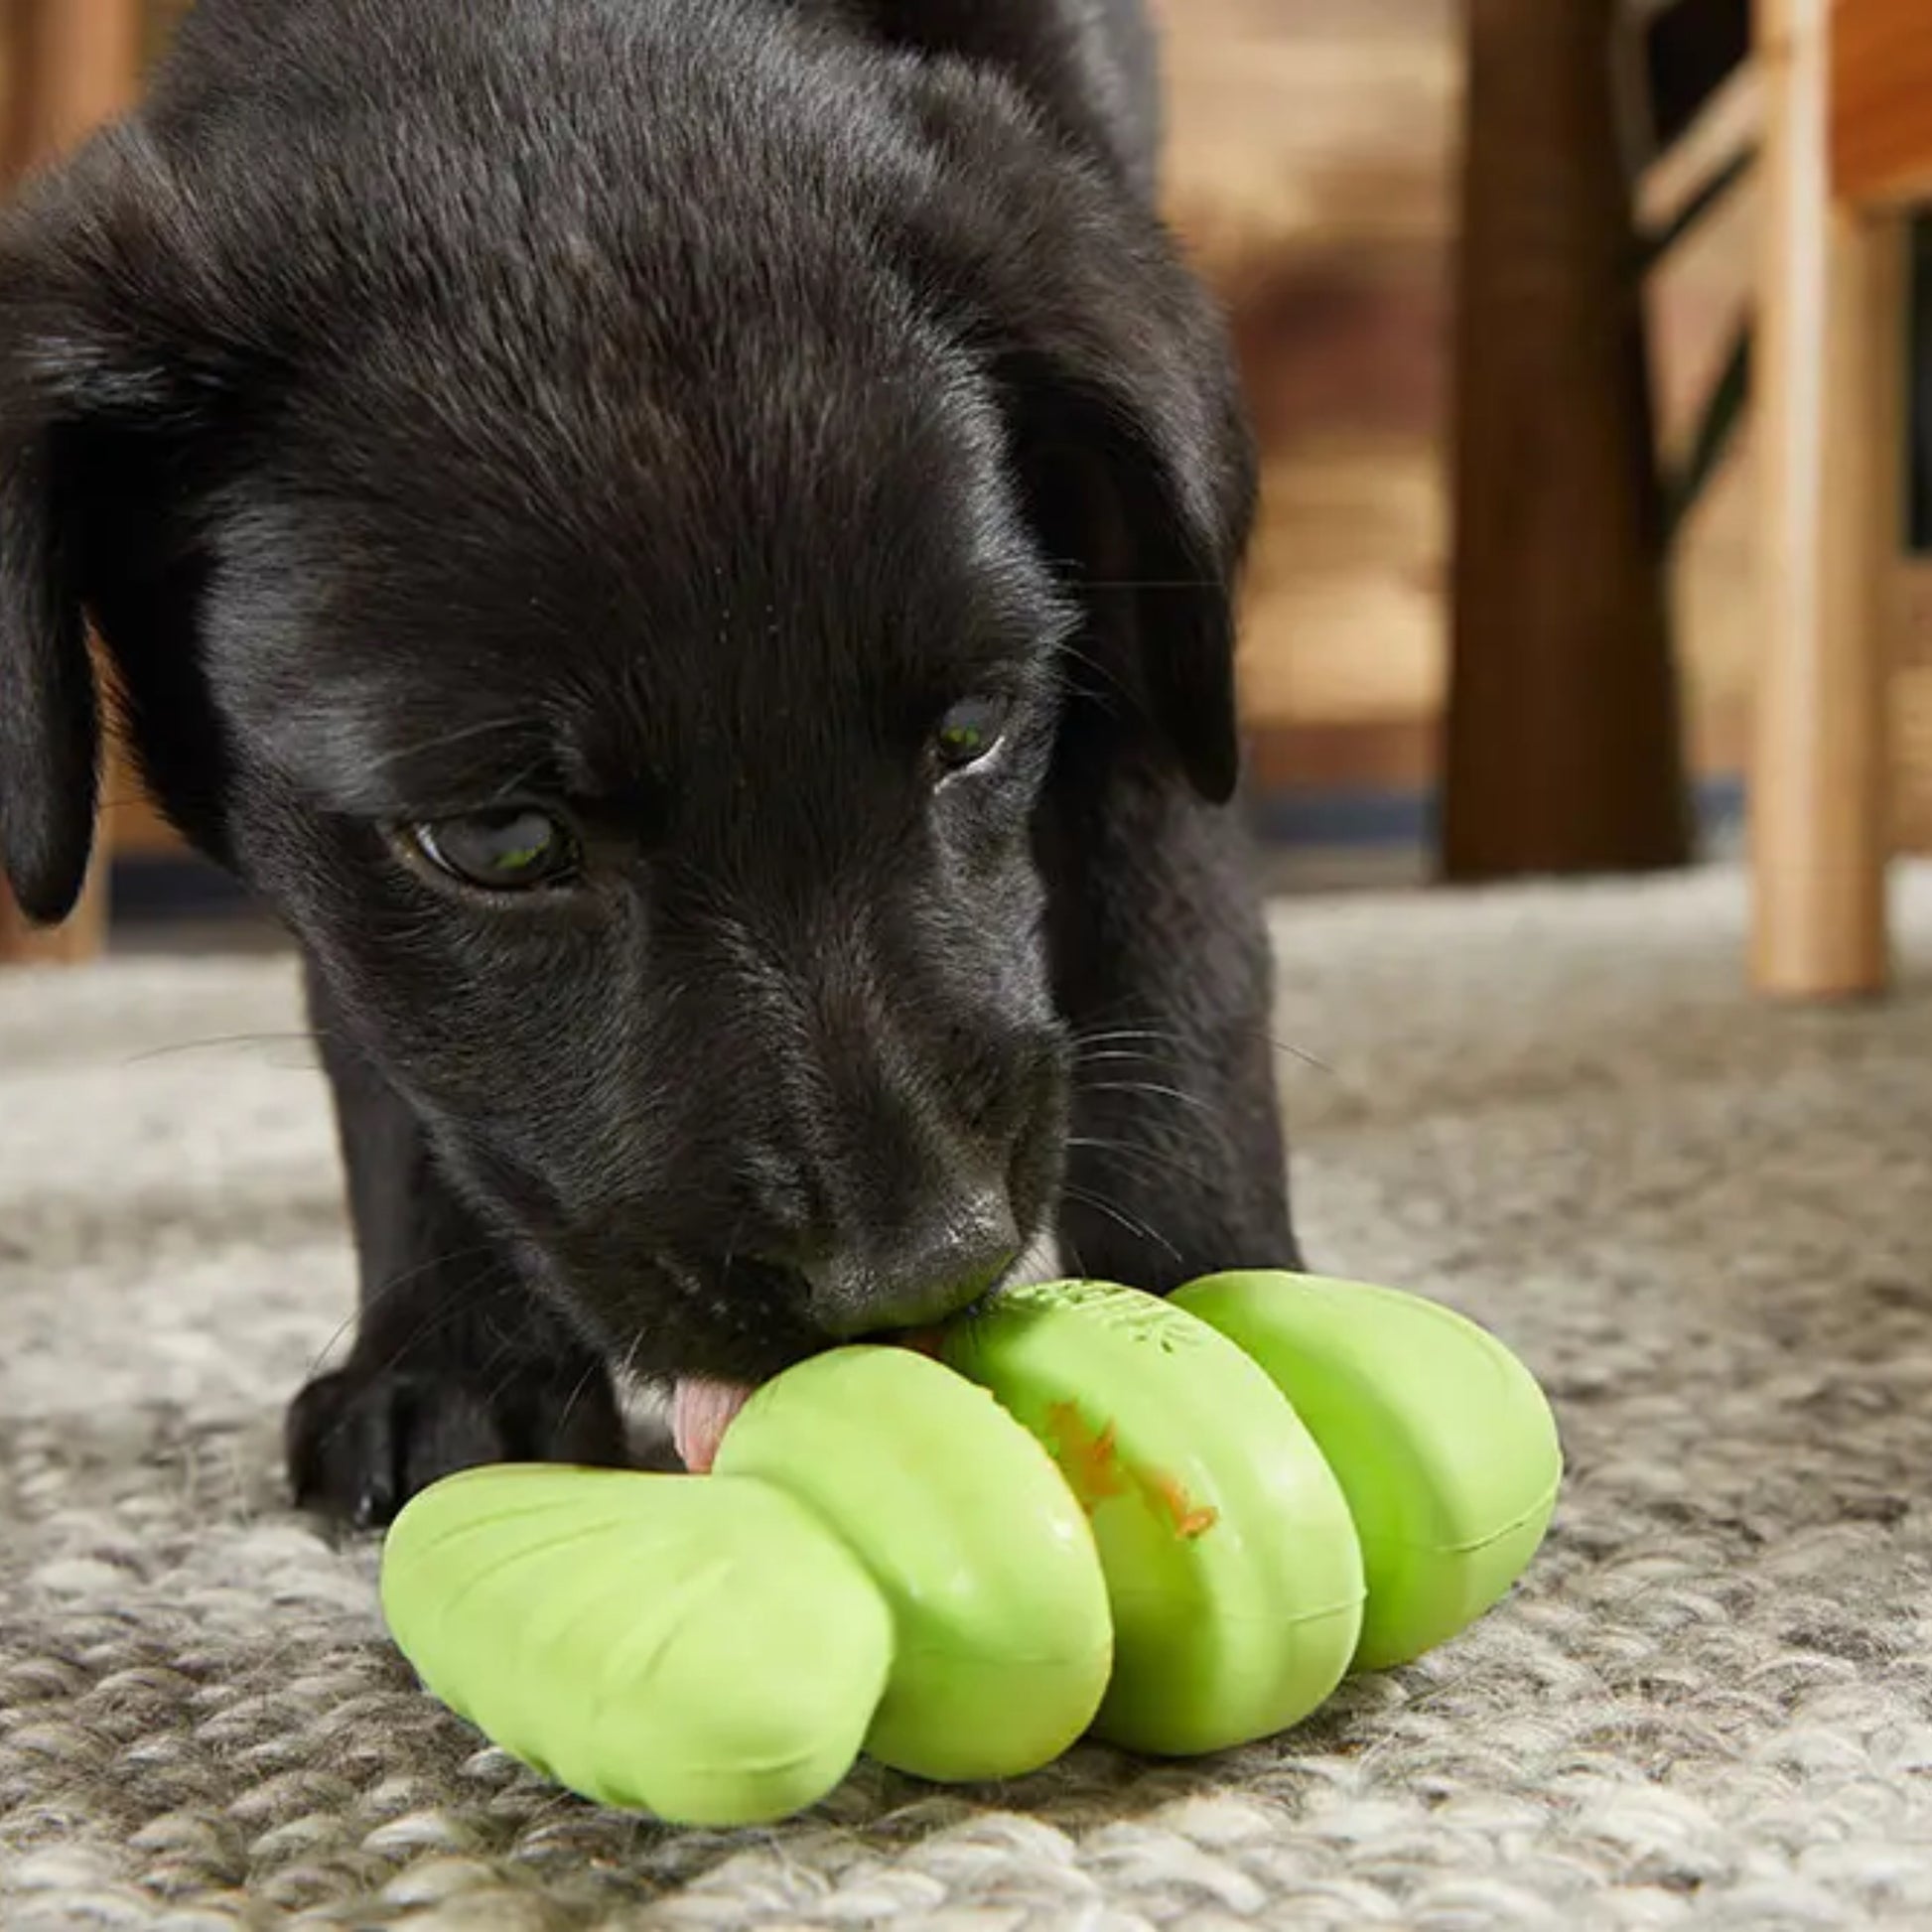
[1300,1053]
[1116,686]
[443,1317]
[217,1041]
[1153,1089]
[508,1346]
[396,1282]
[591,1370]
[1126,1036]
[446,1310]
[628,1367]
[388,1363]
[1156,1159]
[1101,1205]
[1169,1036]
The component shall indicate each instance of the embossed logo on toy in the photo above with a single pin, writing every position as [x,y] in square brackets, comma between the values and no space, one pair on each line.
[1142,1318]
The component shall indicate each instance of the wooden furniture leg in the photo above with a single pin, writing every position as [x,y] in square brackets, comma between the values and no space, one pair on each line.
[1562,747]
[1832,351]
[75,64]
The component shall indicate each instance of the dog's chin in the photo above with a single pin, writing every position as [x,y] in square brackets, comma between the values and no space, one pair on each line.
[704,1406]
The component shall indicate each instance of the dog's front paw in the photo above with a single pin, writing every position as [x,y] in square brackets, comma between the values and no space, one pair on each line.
[365,1438]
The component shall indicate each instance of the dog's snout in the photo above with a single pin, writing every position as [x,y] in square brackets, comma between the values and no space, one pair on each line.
[932,1269]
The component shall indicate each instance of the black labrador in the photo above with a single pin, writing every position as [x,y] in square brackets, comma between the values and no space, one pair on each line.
[686,548]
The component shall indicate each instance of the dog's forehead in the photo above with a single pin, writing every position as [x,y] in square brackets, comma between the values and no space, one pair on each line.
[716,588]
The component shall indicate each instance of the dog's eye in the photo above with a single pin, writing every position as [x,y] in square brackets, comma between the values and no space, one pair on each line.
[969,732]
[515,850]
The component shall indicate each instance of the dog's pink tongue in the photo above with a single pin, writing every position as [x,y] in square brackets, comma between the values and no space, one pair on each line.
[701,1412]
[702,1409]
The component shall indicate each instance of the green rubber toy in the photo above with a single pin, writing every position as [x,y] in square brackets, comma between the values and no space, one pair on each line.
[702,1651]
[1440,1437]
[1229,1625]
[998,1602]
[1175,1525]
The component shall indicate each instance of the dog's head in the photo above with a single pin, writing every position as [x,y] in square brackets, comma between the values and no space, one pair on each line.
[620,589]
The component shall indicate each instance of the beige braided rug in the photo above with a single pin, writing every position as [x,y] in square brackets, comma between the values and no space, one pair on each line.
[1708,1224]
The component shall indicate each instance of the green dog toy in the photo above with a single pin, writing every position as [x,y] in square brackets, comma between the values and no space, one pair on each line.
[1174,1524]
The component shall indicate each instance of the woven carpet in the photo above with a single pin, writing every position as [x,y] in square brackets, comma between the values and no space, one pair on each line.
[1707,1224]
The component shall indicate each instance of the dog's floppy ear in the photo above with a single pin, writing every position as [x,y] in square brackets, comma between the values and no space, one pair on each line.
[1130,430]
[90,391]
[1139,483]
[50,729]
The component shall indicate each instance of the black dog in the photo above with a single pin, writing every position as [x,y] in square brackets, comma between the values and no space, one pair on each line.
[686,546]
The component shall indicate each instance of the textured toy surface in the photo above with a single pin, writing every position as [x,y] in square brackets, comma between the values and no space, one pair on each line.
[1175,1524]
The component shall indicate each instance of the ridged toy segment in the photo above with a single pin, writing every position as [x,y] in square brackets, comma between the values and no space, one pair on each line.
[1231,1562]
[1441,1439]
[707,1651]
[1003,1643]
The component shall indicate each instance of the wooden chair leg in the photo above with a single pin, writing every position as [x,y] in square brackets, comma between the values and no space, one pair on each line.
[75,64]
[1833,318]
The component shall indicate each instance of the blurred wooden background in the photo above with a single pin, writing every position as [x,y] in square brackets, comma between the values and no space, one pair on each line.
[1311,170]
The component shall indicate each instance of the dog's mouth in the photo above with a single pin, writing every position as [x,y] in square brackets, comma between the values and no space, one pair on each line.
[703,1406]
[702,1409]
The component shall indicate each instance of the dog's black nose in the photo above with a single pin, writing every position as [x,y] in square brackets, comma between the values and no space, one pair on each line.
[919,1277]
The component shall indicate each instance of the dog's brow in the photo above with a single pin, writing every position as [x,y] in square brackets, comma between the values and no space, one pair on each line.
[386,767]
[481,740]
